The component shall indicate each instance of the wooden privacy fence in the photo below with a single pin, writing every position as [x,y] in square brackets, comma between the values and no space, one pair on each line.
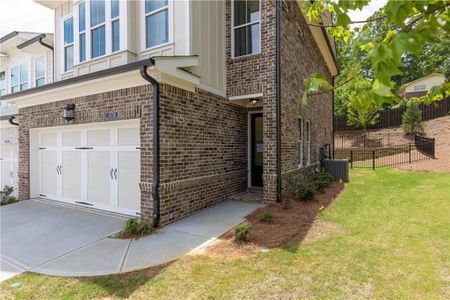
[393,117]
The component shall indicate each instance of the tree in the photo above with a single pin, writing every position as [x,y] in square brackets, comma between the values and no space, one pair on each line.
[412,118]
[404,27]
[362,111]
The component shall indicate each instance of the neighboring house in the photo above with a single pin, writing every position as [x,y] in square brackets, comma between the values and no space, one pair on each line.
[420,87]
[25,62]
[161,108]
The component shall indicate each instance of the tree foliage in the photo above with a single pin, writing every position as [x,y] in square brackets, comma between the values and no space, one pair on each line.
[401,30]
[412,118]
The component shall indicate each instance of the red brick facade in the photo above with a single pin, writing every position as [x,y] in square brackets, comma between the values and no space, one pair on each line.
[300,57]
[255,74]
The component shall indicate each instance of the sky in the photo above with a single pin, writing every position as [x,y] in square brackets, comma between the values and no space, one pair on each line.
[26,15]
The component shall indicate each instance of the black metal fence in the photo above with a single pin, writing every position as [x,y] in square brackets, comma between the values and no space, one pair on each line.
[371,158]
[393,117]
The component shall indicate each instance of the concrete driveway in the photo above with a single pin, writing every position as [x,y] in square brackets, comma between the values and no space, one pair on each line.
[57,240]
[36,232]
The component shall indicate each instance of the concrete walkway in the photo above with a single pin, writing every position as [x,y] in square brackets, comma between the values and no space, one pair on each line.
[108,256]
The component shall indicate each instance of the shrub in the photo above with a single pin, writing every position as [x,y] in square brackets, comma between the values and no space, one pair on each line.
[305,191]
[321,181]
[412,118]
[137,226]
[266,217]
[6,196]
[242,231]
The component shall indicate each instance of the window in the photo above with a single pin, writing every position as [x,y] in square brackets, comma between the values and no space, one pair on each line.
[97,28]
[2,83]
[82,30]
[156,22]
[115,32]
[68,44]
[246,27]
[420,88]
[19,78]
[300,141]
[308,142]
[39,71]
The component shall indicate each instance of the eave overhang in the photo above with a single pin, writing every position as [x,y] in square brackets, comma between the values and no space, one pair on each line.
[163,69]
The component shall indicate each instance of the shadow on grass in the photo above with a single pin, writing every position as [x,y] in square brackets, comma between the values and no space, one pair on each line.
[125,284]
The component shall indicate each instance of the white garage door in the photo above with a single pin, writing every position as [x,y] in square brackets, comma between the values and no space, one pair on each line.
[96,165]
[8,167]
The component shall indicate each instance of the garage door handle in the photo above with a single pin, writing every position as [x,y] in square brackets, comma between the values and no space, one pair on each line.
[115,174]
[111,173]
[57,169]
[60,169]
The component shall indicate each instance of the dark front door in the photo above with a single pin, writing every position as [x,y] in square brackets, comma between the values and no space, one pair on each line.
[257,150]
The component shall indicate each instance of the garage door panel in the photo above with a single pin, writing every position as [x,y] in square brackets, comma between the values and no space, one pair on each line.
[128,180]
[71,175]
[49,182]
[71,138]
[100,137]
[129,136]
[99,177]
[49,139]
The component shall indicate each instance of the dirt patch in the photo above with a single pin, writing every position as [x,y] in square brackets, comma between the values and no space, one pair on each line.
[297,221]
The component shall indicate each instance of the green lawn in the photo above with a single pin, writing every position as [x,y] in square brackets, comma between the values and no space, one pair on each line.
[395,245]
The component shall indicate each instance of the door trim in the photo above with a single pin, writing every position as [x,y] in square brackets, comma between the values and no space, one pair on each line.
[249,145]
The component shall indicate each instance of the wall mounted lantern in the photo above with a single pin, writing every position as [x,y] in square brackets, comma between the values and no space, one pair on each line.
[253,101]
[69,112]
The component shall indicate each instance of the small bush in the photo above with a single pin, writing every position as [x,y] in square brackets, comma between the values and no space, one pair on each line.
[305,191]
[321,181]
[267,217]
[6,196]
[412,119]
[242,231]
[136,226]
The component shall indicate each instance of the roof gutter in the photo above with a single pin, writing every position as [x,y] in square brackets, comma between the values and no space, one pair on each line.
[53,54]
[11,121]
[155,164]
[278,95]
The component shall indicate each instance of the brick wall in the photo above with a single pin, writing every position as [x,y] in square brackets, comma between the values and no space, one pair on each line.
[300,57]
[254,74]
[203,143]
[203,151]
[130,103]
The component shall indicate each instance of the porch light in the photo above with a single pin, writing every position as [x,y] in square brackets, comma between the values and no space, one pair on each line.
[69,112]
[254,101]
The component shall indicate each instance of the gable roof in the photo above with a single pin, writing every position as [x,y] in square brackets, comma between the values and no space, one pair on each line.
[421,78]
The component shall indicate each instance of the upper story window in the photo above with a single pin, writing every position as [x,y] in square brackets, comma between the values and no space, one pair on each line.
[156,22]
[19,78]
[2,83]
[420,88]
[68,44]
[246,27]
[39,71]
[115,28]
[97,28]
[82,30]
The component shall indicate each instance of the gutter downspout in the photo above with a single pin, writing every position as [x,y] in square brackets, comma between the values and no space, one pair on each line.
[156,166]
[278,95]
[53,55]
[11,121]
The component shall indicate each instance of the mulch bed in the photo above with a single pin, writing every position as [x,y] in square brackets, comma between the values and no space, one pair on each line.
[288,223]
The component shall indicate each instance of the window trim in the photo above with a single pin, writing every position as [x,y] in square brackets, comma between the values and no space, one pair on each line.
[20,83]
[112,20]
[308,141]
[45,70]
[420,88]
[300,142]
[68,45]
[167,7]
[3,89]
[81,33]
[233,55]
